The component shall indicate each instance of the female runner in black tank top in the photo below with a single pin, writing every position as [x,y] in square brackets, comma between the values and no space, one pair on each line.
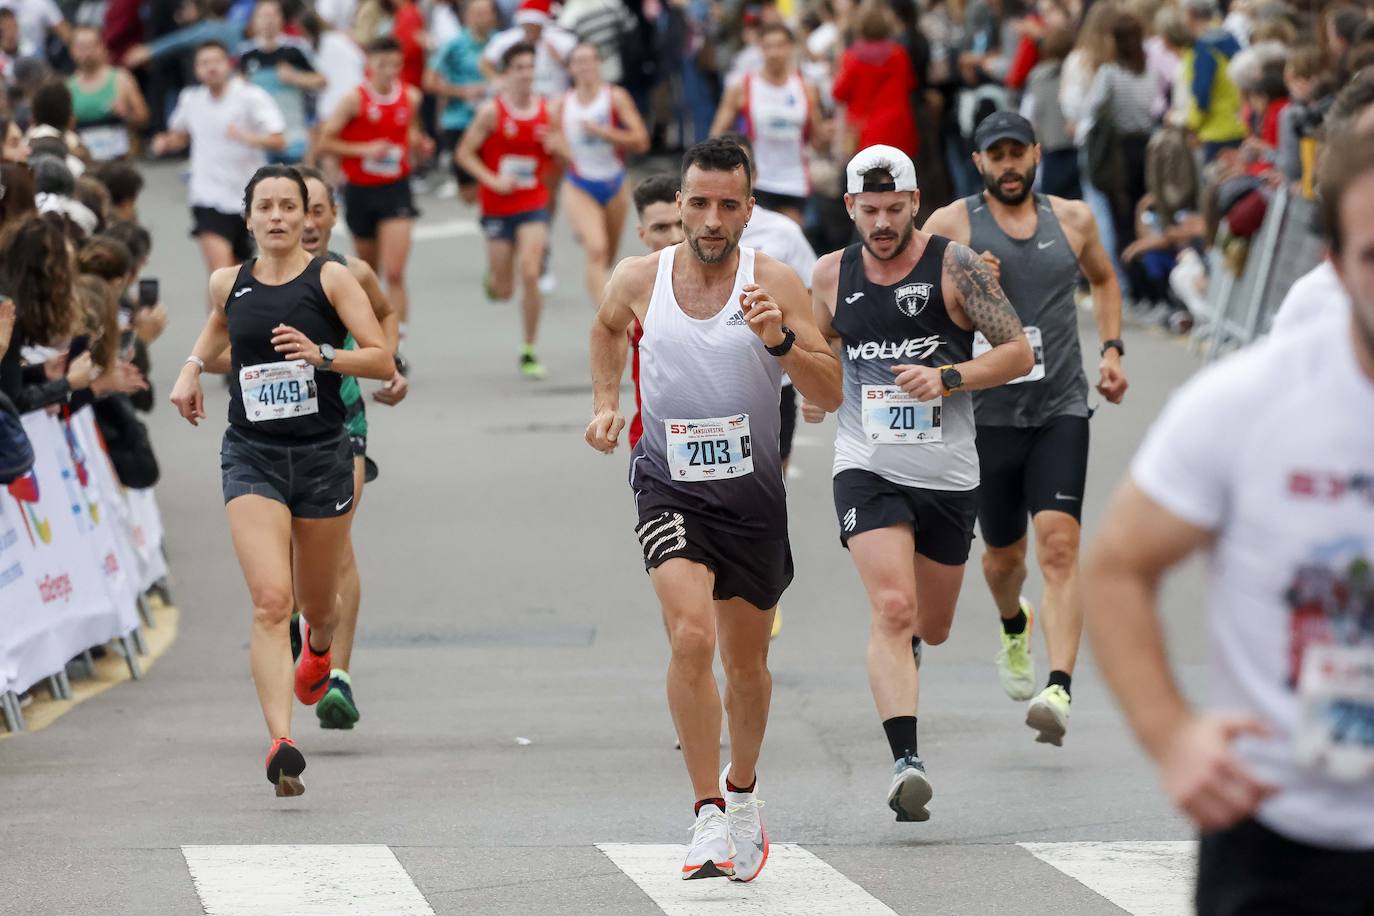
[287,443]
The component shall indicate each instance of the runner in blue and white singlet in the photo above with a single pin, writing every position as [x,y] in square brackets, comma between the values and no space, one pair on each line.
[721,325]
[595,124]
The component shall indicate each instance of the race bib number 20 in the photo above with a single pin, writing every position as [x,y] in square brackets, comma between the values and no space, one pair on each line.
[716,448]
[276,391]
[893,417]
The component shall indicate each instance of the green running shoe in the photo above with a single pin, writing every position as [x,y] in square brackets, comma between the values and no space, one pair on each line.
[530,366]
[1015,664]
[337,709]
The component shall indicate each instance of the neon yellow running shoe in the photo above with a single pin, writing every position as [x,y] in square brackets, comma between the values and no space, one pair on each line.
[777,624]
[1048,714]
[530,366]
[1015,664]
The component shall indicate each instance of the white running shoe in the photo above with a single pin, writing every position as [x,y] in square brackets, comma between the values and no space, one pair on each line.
[548,283]
[747,835]
[910,791]
[711,855]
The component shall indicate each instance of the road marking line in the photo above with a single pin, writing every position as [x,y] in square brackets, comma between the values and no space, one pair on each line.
[302,881]
[793,883]
[1144,879]
[446,230]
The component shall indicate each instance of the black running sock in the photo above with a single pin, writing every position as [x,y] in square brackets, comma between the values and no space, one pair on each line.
[901,736]
[1014,626]
[731,787]
[718,802]
[319,652]
[1063,679]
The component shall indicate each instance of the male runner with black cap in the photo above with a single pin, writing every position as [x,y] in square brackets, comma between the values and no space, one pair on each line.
[1033,432]
[902,308]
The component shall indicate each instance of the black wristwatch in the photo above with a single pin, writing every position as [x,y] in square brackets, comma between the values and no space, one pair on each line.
[951,378]
[788,339]
[326,356]
[1113,344]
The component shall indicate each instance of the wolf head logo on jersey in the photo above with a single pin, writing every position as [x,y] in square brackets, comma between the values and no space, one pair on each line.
[913,298]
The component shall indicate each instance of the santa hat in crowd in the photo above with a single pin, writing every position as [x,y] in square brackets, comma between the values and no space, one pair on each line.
[533,12]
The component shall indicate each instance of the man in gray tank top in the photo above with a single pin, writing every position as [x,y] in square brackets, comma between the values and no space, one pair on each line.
[1033,432]
[721,323]
[901,308]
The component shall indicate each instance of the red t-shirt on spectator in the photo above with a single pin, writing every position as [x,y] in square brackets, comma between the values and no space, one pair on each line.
[1024,61]
[875,82]
[406,27]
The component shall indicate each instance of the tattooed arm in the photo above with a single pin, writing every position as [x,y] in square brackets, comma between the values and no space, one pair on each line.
[974,298]
[979,300]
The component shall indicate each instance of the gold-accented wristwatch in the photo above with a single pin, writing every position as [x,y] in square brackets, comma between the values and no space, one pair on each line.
[951,378]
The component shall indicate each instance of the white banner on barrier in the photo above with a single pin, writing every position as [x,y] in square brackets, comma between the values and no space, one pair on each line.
[61,604]
[111,532]
[147,535]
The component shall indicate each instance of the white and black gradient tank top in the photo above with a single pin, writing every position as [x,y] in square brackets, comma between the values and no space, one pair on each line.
[691,369]
[902,324]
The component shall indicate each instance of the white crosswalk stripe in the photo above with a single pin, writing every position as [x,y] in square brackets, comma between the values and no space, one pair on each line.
[1144,879]
[302,881]
[793,883]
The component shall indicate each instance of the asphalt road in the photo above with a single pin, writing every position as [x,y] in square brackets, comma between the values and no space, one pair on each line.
[504,599]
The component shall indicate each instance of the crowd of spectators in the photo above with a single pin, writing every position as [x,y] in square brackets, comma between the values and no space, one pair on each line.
[1174,119]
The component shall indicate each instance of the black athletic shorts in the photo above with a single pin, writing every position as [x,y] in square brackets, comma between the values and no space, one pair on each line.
[365,206]
[788,407]
[770,201]
[1025,471]
[313,480]
[943,519]
[449,144]
[755,569]
[229,226]
[1249,870]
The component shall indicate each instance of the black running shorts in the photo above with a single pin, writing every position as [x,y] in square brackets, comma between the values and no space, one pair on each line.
[755,569]
[942,519]
[1249,870]
[788,407]
[229,226]
[367,206]
[314,480]
[1029,470]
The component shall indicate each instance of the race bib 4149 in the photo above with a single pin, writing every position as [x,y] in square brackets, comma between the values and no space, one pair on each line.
[276,391]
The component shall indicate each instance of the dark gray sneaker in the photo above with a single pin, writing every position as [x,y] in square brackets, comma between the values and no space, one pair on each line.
[910,791]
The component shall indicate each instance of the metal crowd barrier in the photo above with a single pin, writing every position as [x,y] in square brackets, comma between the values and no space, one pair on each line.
[1240,309]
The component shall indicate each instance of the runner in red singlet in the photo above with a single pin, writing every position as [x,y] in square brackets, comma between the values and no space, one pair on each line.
[506,148]
[374,132]
[660,225]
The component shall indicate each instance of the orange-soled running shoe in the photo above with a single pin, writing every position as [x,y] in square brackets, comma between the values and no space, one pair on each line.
[312,671]
[285,763]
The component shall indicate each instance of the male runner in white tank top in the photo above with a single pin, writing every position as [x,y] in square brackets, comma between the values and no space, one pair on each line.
[781,111]
[721,324]
[902,308]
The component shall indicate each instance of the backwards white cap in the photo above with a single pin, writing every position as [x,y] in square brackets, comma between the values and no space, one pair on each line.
[887,158]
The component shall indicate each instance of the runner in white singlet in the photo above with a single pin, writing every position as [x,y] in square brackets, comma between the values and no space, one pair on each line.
[721,324]
[779,110]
